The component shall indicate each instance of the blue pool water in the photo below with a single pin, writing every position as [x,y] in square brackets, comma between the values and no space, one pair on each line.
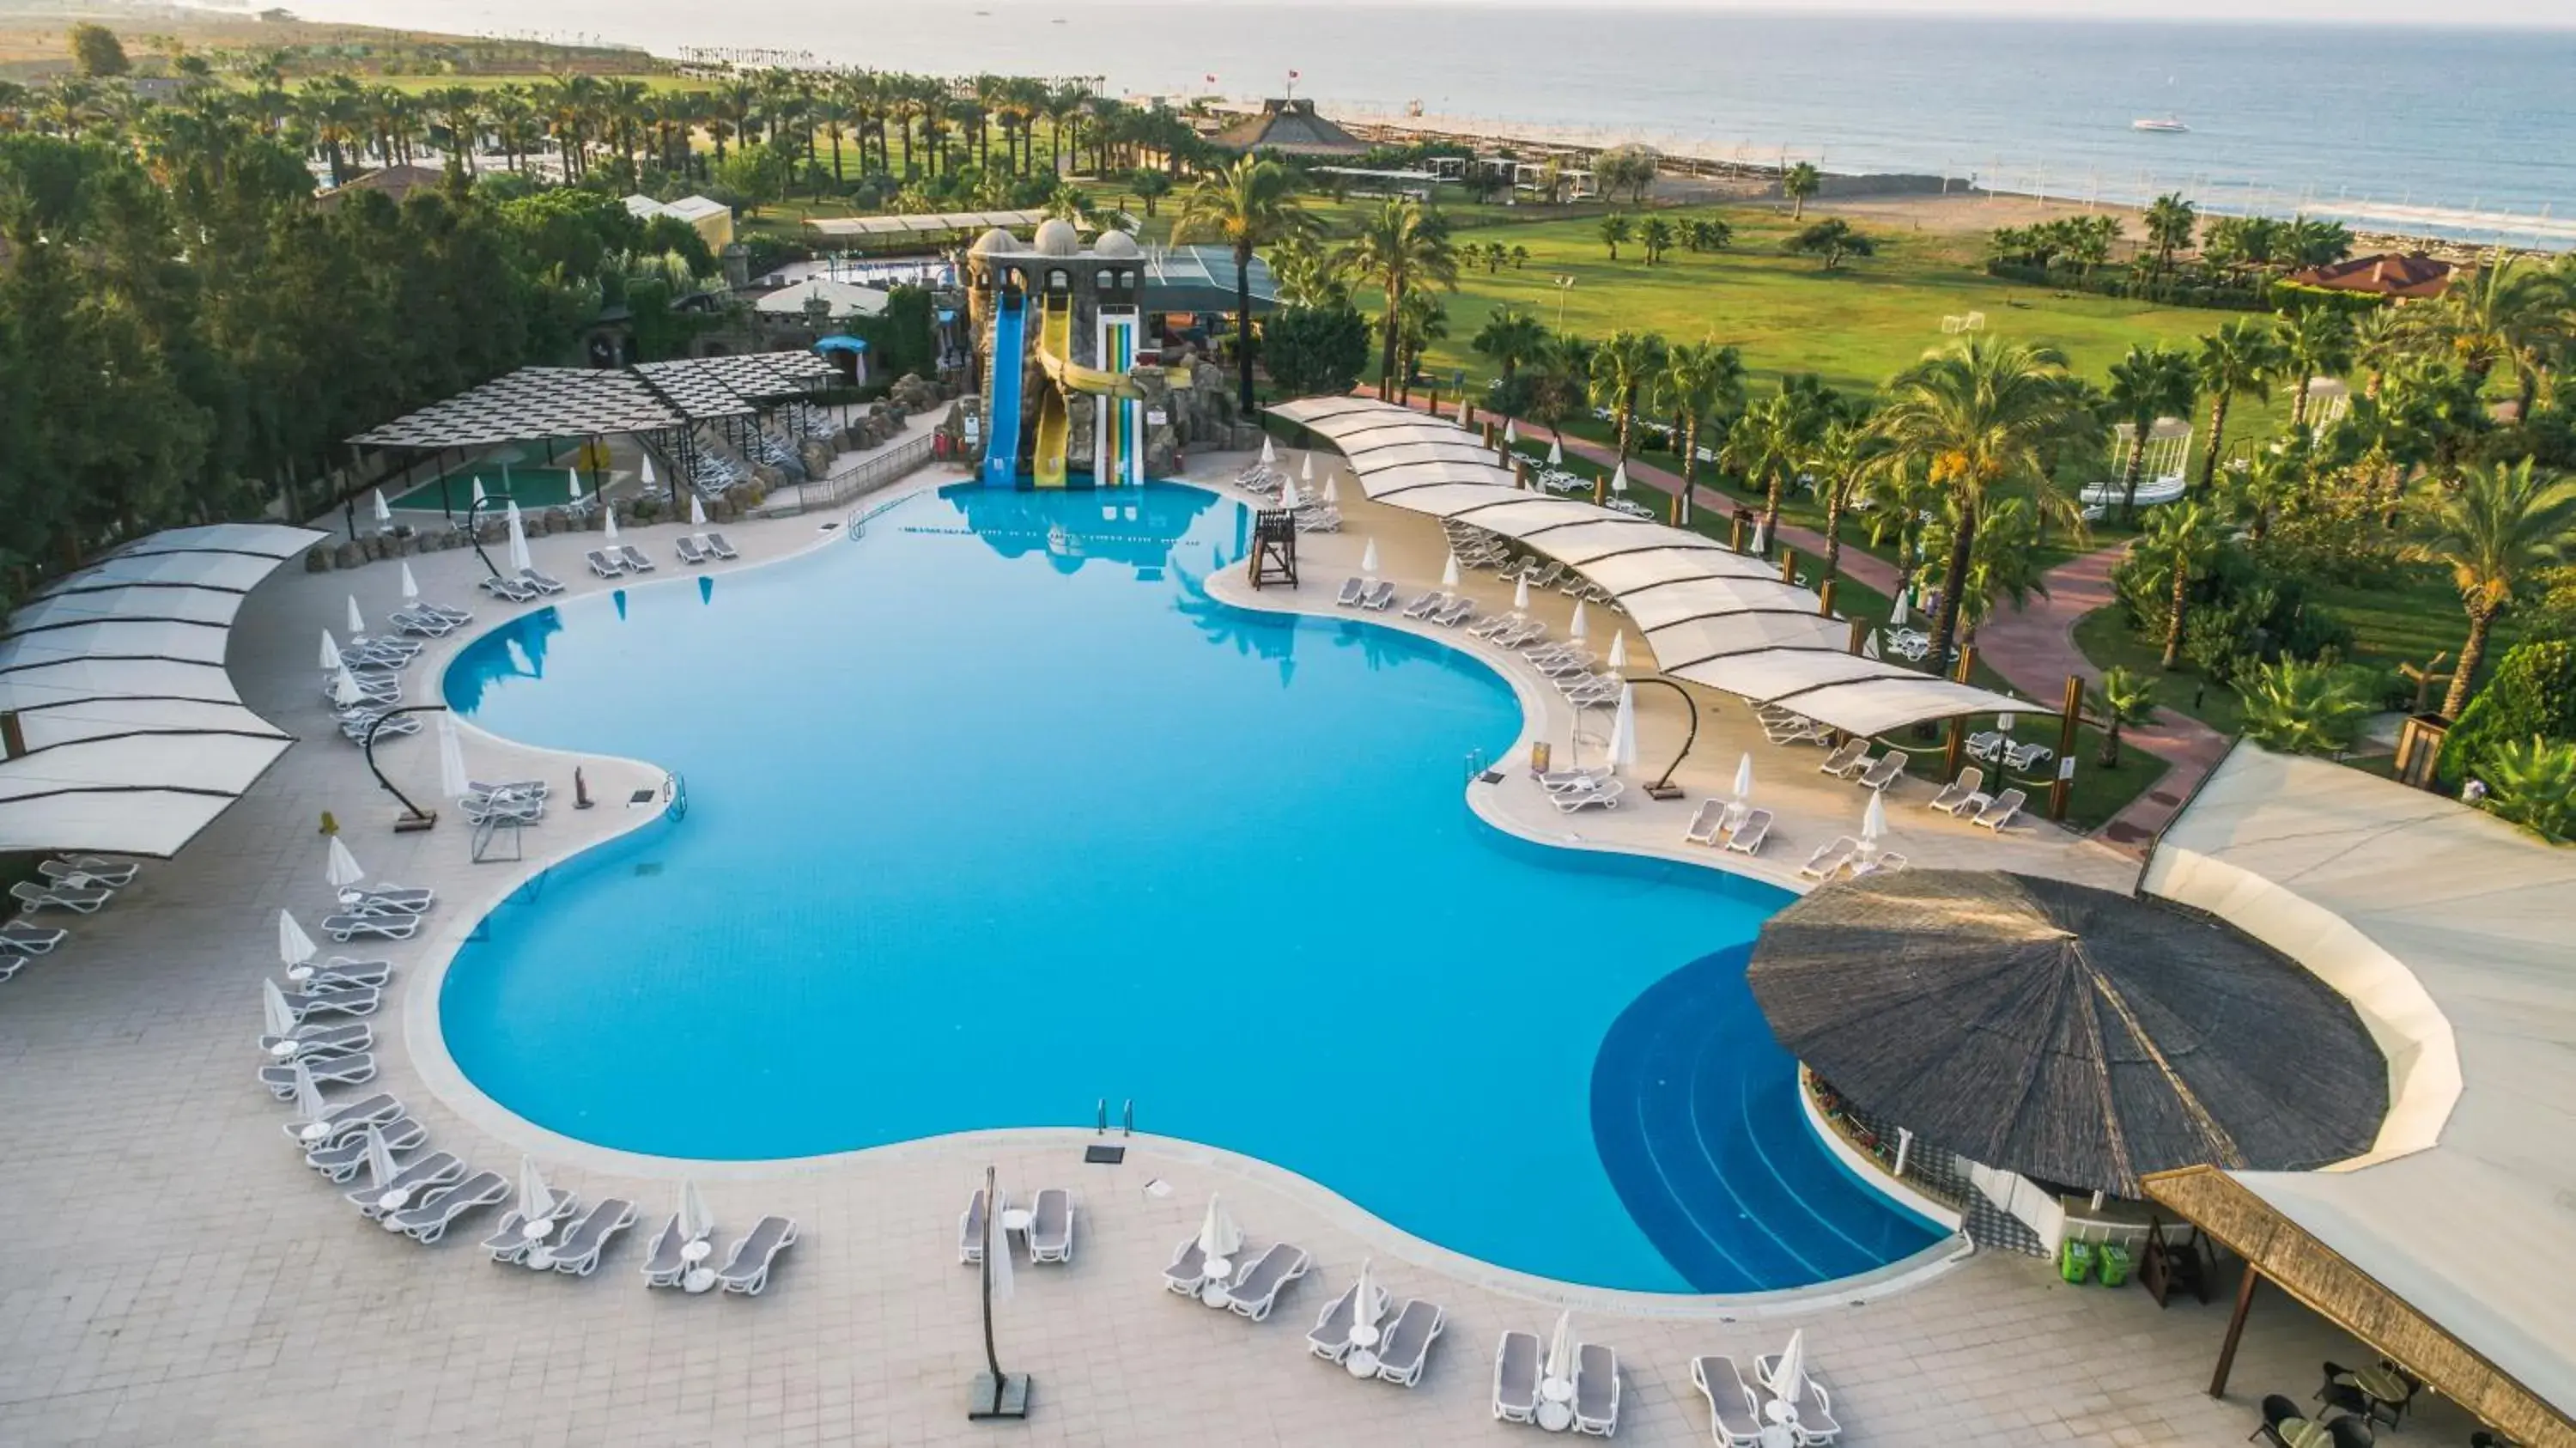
[993,813]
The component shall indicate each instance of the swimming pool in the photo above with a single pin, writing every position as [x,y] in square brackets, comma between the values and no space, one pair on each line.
[994,813]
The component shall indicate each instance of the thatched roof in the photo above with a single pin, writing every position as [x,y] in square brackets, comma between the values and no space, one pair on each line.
[2070,1034]
[1291,127]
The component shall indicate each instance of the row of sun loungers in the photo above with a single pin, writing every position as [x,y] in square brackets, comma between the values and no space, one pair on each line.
[1518,1375]
[1724,824]
[702,548]
[1851,761]
[1965,798]
[1049,1233]
[81,884]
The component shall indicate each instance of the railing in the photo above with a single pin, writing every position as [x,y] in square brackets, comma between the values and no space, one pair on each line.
[887,467]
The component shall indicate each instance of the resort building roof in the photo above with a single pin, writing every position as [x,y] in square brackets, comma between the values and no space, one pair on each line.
[536,403]
[1201,279]
[2387,275]
[839,299]
[2451,1244]
[926,224]
[1290,127]
[1712,615]
[127,736]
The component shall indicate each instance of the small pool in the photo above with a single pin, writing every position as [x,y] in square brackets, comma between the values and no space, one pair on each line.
[993,813]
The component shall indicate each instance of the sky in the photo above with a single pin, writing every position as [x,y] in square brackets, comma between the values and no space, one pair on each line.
[2544,14]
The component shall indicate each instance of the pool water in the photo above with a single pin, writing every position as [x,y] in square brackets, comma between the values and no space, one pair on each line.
[994,814]
[517,471]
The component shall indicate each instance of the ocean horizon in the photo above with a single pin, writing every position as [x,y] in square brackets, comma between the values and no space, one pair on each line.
[2378,125]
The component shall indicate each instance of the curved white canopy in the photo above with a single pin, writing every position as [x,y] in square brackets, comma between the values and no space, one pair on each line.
[134,738]
[1712,615]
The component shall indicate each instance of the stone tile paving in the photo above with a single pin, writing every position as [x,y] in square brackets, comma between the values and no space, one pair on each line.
[182,1278]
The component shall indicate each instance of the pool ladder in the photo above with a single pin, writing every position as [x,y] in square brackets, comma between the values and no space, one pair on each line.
[1126,1118]
[675,798]
[1477,764]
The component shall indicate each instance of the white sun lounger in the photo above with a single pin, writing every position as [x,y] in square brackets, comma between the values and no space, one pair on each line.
[398,926]
[359,1002]
[746,1268]
[602,565]
[351,1070]
[95,876]
[1886,771]
[1829,858]
[1354,588]
[1749,833]
[1999,811]
[1330,1337]
[1850,759]
[1051,1226]
[1734,1412]
[32,896]
[970,1228]
[1596,1390]
[340,1120]
[1965,792]
[1604,795]
[1816,1405]
[577,1250]
[342,973]
[541,582]
[1558,781]
[1380,598]
[1188,1270]
[423,625]
[435,1169]
[689,551]
[1708,822]
[716,544]
[1458,612]
[342,1160]
[1255,1288]
[388,900]
[1885,862]
[337,1040]
[1427,605]
[1516,1377]
[428,1219]
[633,558]
[1407,1344]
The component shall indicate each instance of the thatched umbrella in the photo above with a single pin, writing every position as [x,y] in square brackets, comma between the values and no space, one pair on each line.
[2067,1033]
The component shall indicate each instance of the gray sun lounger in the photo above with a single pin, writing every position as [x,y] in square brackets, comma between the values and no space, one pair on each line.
[1354,588]
[342,1160]
[602,564]
[542,583]
[1596,1390]
[579,1249]
[1427,605]
[1888,768]
[970,1228]
[98,876]
[335,1002]
[1850,759]
[1188,1270]
[1516,1377]
[1330,1337]
[386,899]
[746,1268]
[633,558]
[1380,598]
[400,925]
[1999,811]
[32,896]
[510,1242]
[416,1177]
[1051,1226]
[1456,613]
[339,1121]
[689,551]
[337,974]
[1816,1409]
[1255,1288]
[1747,837]
[354,1069]
[338,1040]
[1734,1413]
[663,1265]
[428,1219]
[24,939]
[1407,1344]
[716,544]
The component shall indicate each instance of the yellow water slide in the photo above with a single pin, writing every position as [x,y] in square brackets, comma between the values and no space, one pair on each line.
[1055,419]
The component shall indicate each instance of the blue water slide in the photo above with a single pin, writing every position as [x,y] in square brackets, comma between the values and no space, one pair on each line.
[1010,358]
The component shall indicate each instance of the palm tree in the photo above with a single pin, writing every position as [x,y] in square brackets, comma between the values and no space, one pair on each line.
[2171,221]
[1621,371]
[1701,379]
[2149,384]
[1614,230]
[1798,183]
[1249,205]
[2003,565]
[2507,312]
[2122,698]
[1511,337]
[2504,523]
[1399,247]
[1149,184]
[2241,357]
[1766,444]
[2382,338]
[1657,236]
[2182,539]
[2318,343]
[2302,707]
[1841,460]
[1976,418]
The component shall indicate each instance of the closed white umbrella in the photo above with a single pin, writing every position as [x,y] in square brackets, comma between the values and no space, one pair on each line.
[1333,491]
[697,511]
[1269,452]
[695,1220]
[1560,1349]
[310,1108]
[1462,410]
[453,781]
[1556,452]
[1366,1301]
[645,473]
[357,620]
[1623,730]
[1449,572]
[1898,617]
[384,512]
[1511,432]
[345,691]
[574,497]
[294,948]
[277,1015]
[330,652]
[477,498]
[608,524]
[1869,645]
[1619,480]
[381,1169]
[1789,1375]
[520,560]
[1219,1236]
[1618,651]
[2004,723]
[410,585]
[1581,627]
[1368,559]
[1744,779]
[1762,535]
[1873,821]
[1520,595]
[536,1199]
[340,867]
[1288,495]
[1306,467]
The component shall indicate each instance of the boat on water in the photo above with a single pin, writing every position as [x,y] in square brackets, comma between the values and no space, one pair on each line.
[2171,124]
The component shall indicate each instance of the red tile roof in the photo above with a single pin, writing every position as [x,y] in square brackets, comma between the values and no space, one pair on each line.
[2388,275]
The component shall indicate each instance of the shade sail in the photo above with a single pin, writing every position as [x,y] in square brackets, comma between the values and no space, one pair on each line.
[2070,1034]
[1712,615]
[539,403]
[134,738]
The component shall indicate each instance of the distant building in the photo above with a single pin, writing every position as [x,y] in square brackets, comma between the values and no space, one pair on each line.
[396,182]
[1289,127]
[2388,275]
[713,220]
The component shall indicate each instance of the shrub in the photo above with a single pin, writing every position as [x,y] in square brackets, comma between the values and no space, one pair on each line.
[2240,613]
[1312,351]
[2305,708]
[2532,694]
[2533,784]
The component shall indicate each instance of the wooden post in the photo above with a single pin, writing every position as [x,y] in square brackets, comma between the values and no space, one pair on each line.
[1682,504]
[1859,633]
[1955,749]
[1825,598]
[1967,662]
[2235,1330]
[1735,532]
[1788,565]
[1492,440]
[2063,788]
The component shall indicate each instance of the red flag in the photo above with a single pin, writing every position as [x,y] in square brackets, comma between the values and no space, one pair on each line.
[1292,75]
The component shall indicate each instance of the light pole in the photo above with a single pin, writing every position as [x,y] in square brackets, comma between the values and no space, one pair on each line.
[1564,289]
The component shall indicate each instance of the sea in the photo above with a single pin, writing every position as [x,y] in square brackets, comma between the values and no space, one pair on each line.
[2463,132]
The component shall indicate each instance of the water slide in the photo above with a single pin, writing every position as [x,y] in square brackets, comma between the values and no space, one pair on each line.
[1010,356]
[1055,417]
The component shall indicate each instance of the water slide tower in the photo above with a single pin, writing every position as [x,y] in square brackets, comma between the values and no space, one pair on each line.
[1059,328]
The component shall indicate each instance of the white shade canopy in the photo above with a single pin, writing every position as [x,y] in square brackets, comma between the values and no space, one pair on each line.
[340,867]
[1711,615]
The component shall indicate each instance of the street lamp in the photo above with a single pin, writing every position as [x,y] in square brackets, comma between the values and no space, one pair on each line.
[1564,289]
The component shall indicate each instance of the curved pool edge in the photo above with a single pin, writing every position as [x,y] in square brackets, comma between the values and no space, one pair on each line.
[425,1037]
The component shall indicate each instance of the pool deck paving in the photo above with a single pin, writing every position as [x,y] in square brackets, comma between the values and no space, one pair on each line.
[181,1277]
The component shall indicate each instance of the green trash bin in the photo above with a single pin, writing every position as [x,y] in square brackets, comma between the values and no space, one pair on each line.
[2075,1260]
[2115,1264]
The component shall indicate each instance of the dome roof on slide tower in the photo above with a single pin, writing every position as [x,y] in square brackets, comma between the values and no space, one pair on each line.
[1056,237]
[992,241]
[1114,244]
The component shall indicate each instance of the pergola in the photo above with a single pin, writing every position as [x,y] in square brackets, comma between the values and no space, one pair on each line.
[120,730]
[1712,615]
[928,226]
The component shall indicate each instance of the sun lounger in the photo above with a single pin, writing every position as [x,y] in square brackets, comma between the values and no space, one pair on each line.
[32,896]
[10,965]
[1407,1344]
[1521,635]
[342,1160]
[716,544]
[577,1249]
[509,588]
[664,1264]
[21,938]
[1734,1411]
[1492,625]
[435,1169]
[423,625]
[970,1228]
[1188,1270]
[1596,1390]
[1708,823]
[339,1040]
[689,551]
[428,1219]
[1330,1337]
[1885,770]
[1516,1377]
[1427,605]
[350,1070]
[1459,611]
[1963,793]
[1255,1288]
[634,559]
[1816,1423]
[401,925]
[1604,795]
[1829,858]
[340,1120]
[1051,1226]
[1749,833]
[358,1002]
[510,1242]
[602,565]
[88,877]
[1801,731]
[1380,598]
[1999,811]
[1850,759]
[1558,781]
[1885,862]
[1354,588]
[384,899]
[746,1268]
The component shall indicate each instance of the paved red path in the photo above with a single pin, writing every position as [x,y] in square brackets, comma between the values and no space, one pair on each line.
[2033,647]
